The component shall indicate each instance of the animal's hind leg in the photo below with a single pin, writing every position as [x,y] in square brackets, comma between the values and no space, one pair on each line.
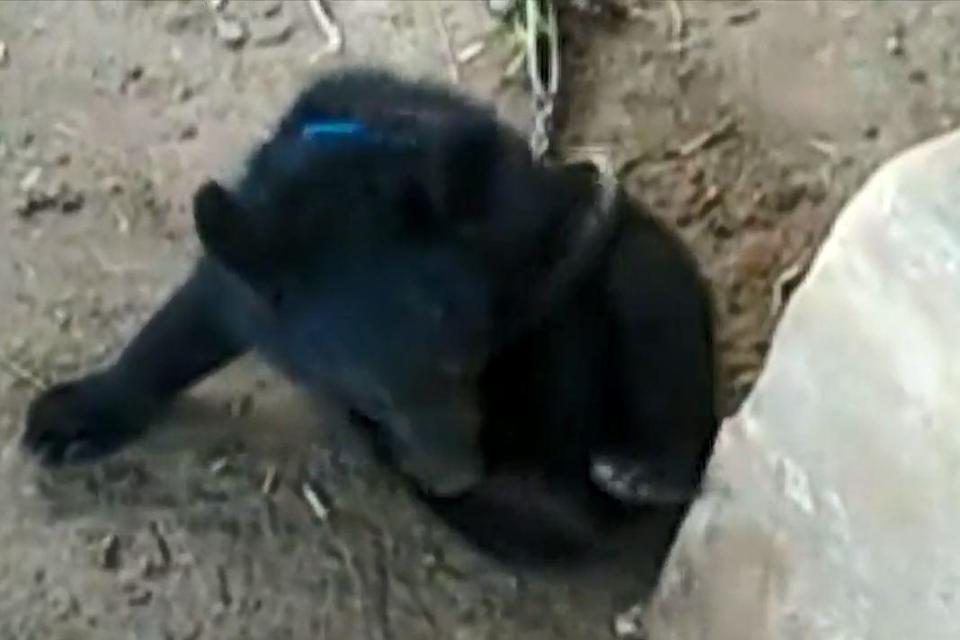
[186,339]
[664,357]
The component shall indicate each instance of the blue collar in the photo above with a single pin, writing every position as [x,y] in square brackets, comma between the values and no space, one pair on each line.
[334,129]
[355,131]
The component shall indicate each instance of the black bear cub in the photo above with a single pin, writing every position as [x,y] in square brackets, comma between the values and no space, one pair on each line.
[521,341]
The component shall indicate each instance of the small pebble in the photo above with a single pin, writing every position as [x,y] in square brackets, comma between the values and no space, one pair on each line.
[871,132]
[62,318]
[182,93]
[743,17]
[470,52]
[788,196]
[241,406]
[62,603]
[139,597]
[31,179]
[271,9]
[134,73]
[4,53]
[894,42]
[35,198]
[130,77]
[272,34]
[110,552]
[70,199]
[189,132]
[112,185]
[232,32]
[150,567]
[195,23]
[628,625]
[219,465]
[500,8]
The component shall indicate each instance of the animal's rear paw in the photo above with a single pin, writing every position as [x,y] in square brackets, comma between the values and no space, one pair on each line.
[638,484]
[70,423]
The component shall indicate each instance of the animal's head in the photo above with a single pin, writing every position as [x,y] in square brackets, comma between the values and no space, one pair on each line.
[330,192]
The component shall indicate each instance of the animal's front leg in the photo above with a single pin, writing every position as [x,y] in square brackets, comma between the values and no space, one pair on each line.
[186,339]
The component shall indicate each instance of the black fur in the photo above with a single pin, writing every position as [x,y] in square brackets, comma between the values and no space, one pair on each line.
[513,361]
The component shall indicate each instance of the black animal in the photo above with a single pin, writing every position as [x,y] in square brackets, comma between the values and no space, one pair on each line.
[528,346]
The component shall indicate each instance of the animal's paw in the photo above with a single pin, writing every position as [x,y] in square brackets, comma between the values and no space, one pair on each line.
[72,422]
[638,484]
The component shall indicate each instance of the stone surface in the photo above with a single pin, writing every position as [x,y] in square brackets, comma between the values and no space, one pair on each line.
[831,510]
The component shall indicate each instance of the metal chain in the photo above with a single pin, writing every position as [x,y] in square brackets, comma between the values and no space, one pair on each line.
[541,20]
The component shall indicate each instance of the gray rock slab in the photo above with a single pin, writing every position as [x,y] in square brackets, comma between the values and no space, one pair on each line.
[831,508]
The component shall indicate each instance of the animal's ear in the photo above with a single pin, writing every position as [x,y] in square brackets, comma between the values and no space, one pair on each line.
[223,227]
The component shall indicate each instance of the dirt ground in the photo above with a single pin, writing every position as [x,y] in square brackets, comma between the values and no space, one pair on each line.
[744,124]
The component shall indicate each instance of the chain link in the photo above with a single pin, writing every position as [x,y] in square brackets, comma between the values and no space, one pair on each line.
[540,24]
[542,128]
